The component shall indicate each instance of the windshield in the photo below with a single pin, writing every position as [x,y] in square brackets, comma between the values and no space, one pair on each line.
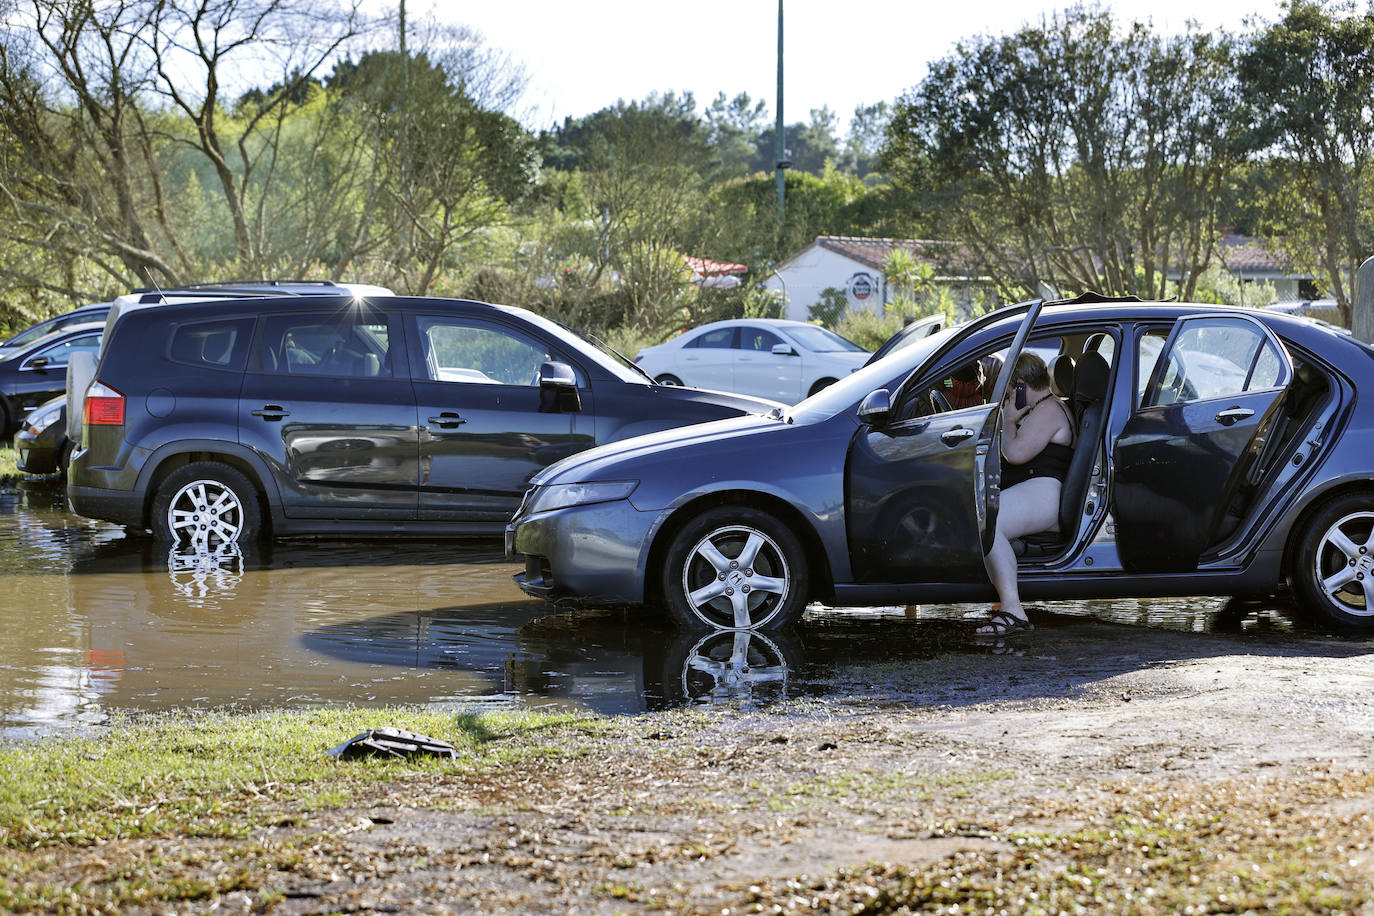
[24,338]
[603,355]
[820,340]
[850,390]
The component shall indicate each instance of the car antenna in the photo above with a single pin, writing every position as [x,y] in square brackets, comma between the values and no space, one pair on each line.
[153,280]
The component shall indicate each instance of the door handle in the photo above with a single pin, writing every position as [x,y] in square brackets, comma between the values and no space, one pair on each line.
[447,420]
[1231,414]
[952,437]
[271,412]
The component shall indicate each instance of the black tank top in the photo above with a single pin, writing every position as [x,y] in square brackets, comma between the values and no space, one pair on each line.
[1053,461]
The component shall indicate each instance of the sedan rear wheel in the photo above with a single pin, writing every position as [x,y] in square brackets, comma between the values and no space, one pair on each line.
[735,568]
[207,506]
[1333,574]
[667,379]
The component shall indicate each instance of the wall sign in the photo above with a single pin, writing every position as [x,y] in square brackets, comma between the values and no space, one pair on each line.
[861,286]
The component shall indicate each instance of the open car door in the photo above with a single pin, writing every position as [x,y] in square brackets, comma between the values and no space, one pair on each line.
[1185,452]
[921,491]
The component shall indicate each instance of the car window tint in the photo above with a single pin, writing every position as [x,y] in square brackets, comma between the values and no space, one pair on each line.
[720,338]
[1268,369]
[1214,359]
[757,339]
[218,344]
[351,347]
[59,354]
[1147,354]
[480,354]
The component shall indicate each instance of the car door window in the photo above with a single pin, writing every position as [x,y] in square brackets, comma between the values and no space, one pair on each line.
[758,340]
[720,338]
[1214,359]
[479,353]
[350,347]
[60,354]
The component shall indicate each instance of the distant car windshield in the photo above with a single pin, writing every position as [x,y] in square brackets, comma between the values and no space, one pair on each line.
[819,340]
[52,325]
[850,390]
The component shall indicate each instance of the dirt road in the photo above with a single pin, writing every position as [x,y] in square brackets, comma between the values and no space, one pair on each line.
[1086,768]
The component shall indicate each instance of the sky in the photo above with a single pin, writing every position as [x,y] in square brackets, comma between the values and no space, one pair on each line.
[581,57]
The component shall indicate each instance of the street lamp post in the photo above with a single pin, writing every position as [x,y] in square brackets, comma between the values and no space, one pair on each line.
[778,149]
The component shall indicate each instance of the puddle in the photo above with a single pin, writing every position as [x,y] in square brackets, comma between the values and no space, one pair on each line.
[97,622]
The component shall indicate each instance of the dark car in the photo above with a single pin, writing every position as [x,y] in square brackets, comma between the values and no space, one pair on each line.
[32,374]
[1220,451]
[42,441]
[346,415]
[87,314]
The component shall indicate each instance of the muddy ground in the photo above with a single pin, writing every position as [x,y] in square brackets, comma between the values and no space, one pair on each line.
[1085,767]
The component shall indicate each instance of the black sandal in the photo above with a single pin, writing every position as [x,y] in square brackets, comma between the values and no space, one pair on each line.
[1003,625]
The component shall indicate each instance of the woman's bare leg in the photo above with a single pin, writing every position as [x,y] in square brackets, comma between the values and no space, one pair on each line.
[1027,508]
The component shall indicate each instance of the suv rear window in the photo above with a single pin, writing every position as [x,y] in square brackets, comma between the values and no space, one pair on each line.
[218,344]
[354,347]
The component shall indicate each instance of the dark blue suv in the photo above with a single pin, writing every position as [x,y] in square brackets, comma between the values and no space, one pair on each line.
[347,415]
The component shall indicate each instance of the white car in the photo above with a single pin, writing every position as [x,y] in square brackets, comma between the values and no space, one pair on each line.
[765,357]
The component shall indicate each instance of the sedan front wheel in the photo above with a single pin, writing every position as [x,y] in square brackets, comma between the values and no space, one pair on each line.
[1333,573]
[735,568]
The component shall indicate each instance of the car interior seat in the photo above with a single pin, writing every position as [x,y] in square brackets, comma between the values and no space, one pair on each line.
[1061,375]
[1088,407]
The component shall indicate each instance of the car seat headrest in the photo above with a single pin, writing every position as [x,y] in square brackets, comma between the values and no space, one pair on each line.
[1090,378]
[1061,375]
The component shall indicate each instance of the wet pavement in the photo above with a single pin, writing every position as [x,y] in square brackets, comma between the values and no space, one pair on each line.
[97,623]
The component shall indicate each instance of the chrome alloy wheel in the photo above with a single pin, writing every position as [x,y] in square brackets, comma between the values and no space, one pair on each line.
[736,578]
[206,515]
[1345,563]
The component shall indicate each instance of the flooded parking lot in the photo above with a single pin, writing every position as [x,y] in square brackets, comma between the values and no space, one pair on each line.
[98,622]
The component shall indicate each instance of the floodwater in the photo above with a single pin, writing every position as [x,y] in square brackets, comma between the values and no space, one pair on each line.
[97,623]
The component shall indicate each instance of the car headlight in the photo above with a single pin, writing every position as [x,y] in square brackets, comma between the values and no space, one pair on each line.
[563,495]
[39,420]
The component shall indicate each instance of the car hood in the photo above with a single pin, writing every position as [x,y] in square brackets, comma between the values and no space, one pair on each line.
[610,461]
[742,402]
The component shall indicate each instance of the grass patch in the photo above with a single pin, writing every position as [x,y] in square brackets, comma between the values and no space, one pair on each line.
[222,775]
[9,459]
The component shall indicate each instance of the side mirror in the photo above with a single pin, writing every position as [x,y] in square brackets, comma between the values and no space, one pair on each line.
[783,350]
[876,408]
[38,363]
[558,389]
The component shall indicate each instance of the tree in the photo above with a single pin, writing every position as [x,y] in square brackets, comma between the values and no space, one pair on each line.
[808,146]
[732,129]
[441,167]
[103,100]
[1308,79]
[863,146]
[1073,153]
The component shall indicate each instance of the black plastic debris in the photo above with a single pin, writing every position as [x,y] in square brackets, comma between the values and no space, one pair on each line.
[392,742]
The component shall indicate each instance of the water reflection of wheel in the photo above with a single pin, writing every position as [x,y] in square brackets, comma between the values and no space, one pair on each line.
[200,575]
[741,666]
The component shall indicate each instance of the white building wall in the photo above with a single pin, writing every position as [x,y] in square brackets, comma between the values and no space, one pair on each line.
[816,269]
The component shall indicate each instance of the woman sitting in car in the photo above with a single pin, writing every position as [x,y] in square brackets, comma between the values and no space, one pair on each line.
[1037,444]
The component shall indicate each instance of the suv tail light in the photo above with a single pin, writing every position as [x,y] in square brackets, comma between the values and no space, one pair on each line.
[103,406]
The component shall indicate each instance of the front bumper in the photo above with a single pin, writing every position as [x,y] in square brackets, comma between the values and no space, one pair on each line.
[585,555]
